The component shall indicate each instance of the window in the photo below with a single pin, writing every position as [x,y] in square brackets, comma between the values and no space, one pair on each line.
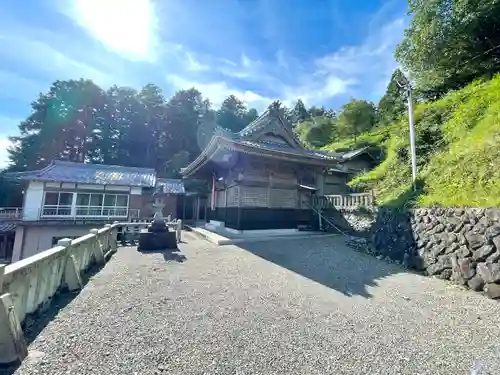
[122,201]
[82,199]
[57,203]
[84,204]
[110,200]
[98,204]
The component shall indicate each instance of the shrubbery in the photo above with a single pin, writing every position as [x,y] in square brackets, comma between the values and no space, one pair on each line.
[458,152]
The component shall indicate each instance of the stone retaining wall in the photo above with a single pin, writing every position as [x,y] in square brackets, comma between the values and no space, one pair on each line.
[461,245]
[355,221]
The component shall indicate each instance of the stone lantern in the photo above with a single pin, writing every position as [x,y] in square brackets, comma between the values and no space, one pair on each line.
[158,206]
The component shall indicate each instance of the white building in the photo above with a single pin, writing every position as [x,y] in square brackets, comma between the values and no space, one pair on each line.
[66,200]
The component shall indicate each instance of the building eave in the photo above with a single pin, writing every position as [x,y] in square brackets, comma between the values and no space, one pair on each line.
[355,153]
[238,146]
[147,175]
[201,160]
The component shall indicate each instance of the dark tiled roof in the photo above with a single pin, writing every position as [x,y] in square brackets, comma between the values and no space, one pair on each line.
[270,146]
[170,186]
[7,227]
[249,137]
[275,146]
[351,154]
[101,174]
[256,125]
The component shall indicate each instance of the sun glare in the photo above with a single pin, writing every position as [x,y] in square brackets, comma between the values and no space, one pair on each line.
[127,27]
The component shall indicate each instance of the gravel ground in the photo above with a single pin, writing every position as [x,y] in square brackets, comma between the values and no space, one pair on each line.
[310,306]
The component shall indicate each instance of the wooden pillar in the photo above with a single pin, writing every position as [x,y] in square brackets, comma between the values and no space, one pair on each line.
[184,208]
[269,189]
[225,205]
[206,211]
[3,246]
[239,209]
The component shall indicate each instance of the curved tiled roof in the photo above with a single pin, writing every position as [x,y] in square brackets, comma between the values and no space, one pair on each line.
[249,140]
[170,186]
[7,227]
[100,174]
[256,125]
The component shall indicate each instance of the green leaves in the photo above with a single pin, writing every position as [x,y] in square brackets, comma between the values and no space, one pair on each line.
[233,114]
[356,117]
[450,43]
[393,104]
[316,132]
[78,121]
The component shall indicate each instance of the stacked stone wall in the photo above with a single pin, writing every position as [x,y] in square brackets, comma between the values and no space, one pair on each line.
[461,245]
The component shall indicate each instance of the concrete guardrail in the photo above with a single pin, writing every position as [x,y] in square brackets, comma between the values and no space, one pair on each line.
[30,284]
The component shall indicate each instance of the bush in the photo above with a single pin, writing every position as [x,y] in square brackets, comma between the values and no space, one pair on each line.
[458,157]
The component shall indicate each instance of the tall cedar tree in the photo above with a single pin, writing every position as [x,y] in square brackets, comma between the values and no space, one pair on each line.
[393,104]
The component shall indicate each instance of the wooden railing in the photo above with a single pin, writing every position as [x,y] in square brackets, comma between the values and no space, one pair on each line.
[344,201]
[31,283]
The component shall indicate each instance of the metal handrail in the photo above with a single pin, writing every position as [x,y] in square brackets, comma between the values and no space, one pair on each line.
[63,212]
[318,212]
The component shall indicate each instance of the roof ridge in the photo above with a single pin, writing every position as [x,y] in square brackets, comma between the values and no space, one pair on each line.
[107,166]
[253,123]
[161,179]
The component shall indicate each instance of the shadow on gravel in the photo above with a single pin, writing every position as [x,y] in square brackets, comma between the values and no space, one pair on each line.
[168,255]
[327,261]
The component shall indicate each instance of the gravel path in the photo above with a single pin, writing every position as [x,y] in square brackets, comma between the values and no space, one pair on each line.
[308,306]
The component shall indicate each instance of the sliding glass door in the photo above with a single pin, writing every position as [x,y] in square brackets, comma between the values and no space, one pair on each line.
[72,204]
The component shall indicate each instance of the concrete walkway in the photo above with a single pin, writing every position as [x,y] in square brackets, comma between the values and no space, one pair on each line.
[308,306]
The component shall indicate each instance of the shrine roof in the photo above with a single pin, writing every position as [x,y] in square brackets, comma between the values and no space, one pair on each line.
[271,136]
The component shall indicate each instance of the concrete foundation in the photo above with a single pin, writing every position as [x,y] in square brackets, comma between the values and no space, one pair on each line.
[33,239]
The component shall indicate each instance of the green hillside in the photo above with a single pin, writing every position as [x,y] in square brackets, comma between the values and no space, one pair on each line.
[458,152]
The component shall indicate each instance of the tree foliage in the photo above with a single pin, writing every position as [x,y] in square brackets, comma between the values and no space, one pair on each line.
[317,132]
[76,120]
[355,117]
[393,104]
[449,43]
[233,114]
[299,113]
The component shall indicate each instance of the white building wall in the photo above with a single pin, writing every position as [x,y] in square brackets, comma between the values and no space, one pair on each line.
[35,239]
[33,199]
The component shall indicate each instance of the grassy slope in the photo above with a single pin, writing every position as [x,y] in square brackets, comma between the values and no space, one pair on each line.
[458,152]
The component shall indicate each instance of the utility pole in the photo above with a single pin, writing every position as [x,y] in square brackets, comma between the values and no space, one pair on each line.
[407,86]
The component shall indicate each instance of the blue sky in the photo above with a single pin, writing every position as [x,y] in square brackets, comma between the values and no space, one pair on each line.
[323,51]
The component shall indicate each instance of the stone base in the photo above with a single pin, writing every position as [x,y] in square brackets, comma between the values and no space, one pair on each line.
[13,347]
[152,241]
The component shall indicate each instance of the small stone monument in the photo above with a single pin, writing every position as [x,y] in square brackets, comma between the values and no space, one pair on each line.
[157,236]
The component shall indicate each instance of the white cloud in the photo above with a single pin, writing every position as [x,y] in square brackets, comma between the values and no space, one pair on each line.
[18,87]
[246,68]
[48,62]
[369,65]
[8,127]
[4,145]
[128,28]
[8,124]
[194,65]
[316,91]
[281,59]
[217,91]
[361,71]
